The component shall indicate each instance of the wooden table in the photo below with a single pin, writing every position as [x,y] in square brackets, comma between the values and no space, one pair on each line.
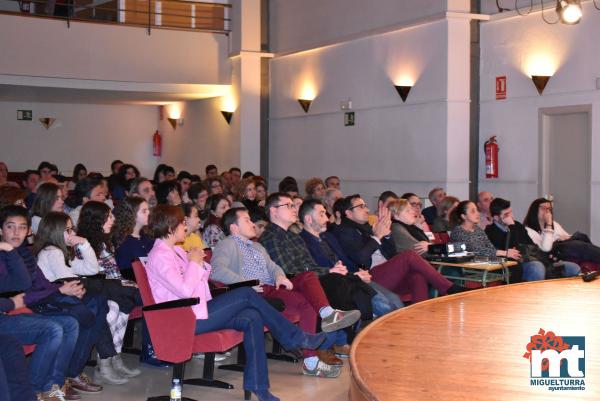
[480,272]
[470,346]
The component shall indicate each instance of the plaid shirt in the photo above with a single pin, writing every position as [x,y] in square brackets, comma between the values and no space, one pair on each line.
[254,265]
[288,250]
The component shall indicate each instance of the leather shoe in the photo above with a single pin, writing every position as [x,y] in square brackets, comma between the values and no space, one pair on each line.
[329,358]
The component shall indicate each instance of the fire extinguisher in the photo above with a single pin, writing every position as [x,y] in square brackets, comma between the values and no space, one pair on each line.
[156,144]
[491,158]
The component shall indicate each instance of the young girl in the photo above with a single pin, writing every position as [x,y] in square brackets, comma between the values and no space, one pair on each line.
[50,198]
[192,225]
[127,235]
[174,274]
[95,223]
[217,205]
[63,255]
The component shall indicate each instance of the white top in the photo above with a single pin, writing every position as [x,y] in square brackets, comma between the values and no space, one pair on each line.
[546,239]
[74,215]
[52,263]
[35,223]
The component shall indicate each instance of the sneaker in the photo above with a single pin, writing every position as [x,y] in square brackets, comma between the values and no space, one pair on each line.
[339,319]
[219,356]
[322,370]
[54,394]
[83,384]
[329,357]
[119,366]
[342,351]
[70,394]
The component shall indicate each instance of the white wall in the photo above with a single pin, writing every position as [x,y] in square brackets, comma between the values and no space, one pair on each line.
[509,47]
[394,145]
[304,24]
[44,47]
[92,134]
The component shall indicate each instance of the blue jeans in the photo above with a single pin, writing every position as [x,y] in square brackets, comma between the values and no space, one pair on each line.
[385,301]
[570,269]
[535,270]
[14,384]
[54,337]
[244,310]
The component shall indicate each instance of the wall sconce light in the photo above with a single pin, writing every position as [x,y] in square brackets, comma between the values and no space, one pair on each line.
[47,121]
[569,11]
[540,82]
[227,115]
[305,103]
[175,122]
[403,91]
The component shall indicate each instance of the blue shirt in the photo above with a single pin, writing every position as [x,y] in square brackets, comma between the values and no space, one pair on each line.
[254,265]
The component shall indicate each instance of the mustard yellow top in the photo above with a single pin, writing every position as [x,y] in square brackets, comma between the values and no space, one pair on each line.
[193,241]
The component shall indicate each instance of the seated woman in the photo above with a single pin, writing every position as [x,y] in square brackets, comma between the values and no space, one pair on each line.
[127,172]
[442,223]
[192,225]
[216,205]
[246,194]
[79,173]
[63,255]
[415,202]
[550,236]
[174,274]
[50,198]
[168,193]
[127,234]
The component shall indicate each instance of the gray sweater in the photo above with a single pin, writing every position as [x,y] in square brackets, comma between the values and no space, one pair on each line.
[227,260]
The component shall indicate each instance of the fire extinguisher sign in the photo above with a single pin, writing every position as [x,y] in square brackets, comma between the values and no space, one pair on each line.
[501,88]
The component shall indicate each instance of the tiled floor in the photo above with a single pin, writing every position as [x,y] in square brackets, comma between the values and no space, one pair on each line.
[287,382]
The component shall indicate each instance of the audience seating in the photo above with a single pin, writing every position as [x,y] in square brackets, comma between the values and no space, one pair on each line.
[171,326]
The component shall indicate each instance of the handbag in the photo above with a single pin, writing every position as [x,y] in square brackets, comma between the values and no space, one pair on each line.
[532,253]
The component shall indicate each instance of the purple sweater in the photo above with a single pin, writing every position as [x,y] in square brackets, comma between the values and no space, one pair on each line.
[41,288]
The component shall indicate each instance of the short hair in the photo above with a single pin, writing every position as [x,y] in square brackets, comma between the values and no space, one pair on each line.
[408,195]
[10,194]
[195,178]
[385,195]
[44,165]
[311,184]
[196,189]
[272,201]
[231,170]
[135,183]
[398,205]
[114,163]
[213,201]
[258,215]
[164,189]
[339,206]
[30,172]
[308,206]
[288,184]
[187,209]
[210,167]
[346,203]
[446,205]
[498,205]
[456,215]
[248,174]
[14,211]
[183,175]
[331,177]
[330,191]
[164,219]
[83,189]
[433,191]
[231,217]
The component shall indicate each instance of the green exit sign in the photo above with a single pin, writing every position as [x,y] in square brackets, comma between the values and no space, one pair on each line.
[25,115]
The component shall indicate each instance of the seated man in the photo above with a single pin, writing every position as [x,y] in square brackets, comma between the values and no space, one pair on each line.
[372,248]
[435,197]
[327,252]
[484,199]
[237,258]
[142,187]
[506,233]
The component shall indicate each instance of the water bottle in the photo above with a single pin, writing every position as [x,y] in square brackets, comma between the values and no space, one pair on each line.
[176,390]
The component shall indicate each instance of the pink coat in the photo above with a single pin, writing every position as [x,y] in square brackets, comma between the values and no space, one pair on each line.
[172,276]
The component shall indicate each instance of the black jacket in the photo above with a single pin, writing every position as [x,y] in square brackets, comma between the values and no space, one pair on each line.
[358,243]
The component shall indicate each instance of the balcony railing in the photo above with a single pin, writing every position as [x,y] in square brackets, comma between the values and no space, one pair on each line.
[172,14]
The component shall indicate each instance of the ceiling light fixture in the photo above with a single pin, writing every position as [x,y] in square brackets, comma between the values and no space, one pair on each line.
[568,12]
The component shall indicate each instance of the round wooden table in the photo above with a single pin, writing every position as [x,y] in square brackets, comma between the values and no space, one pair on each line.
[470,346]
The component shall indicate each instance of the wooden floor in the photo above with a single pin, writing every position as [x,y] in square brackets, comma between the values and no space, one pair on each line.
[470,346]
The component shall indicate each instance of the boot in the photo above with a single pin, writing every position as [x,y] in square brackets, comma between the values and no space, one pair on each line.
[124,371]
[107,374]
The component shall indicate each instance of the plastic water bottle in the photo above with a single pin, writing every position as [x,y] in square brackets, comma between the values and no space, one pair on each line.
[176,390]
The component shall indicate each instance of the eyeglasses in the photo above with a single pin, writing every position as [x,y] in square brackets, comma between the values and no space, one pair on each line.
[69,230]
[416,204]
[359,206]
[287,206]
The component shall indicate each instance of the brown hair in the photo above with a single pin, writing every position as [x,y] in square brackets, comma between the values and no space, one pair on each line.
[51,233]
[240,189]
[45,198]
[164,219]
[311,184]
[446,204]
[397,205]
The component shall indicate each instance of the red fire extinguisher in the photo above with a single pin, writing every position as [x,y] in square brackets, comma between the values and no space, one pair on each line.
[491,158]
[156,144]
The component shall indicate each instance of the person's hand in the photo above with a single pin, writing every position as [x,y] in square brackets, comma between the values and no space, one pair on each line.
[258,288]
[73,240]
[382,226]
[548,220]
[513,254]
[72,288]
[283,281]
[196,255]
[19,301]
[364,275]
[509,221]
[339,268]
[261,203]
[421,247]
[5,246]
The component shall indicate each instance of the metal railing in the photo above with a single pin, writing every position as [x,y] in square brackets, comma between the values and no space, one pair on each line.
[149,14]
